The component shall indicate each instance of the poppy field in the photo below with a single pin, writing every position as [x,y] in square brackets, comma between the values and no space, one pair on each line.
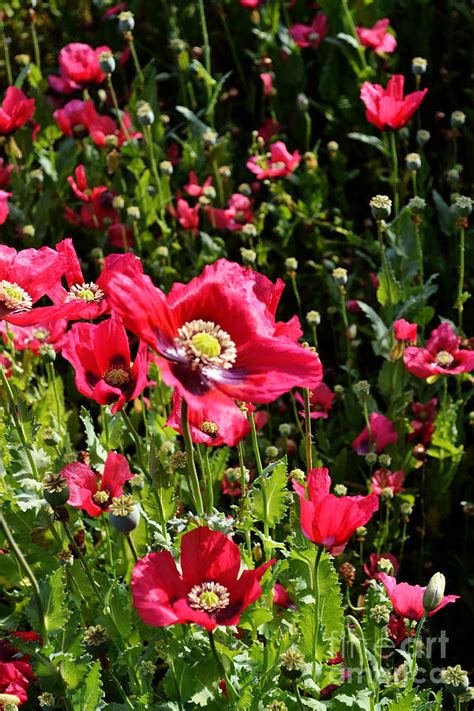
[236,355]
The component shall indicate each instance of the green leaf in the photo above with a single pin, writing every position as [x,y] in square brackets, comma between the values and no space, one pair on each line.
[373,141]
[381,345]
[389,290]
[269,501]
[90,694]
[55,607]
[97,453]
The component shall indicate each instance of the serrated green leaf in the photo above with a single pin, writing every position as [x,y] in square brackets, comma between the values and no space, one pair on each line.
[269,499]
[381,345]
[97,453]
[389,290]
[90,694]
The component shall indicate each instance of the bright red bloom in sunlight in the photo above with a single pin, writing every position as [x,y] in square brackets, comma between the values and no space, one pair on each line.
[440,356]
[397,629]
[25,277]
[100,355]
[74,118]
[330,520]
[310,35]
[388,108]
[33,337]
[385,479]
[207,591]
[216,337]
[101,127]
[382,431]
[4,209]
[280,163]
[407,600]
[377,37]
[373,569]
[193,187]
[79,67]
[15,111]
[320,402]
[423,424]
[93,492]
[405,331]
[230,427]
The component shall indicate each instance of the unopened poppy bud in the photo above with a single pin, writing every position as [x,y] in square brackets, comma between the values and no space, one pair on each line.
[107,62]
[455,679]
[434,592]
[362,389]
[381,207]
[302,102]
[313,318]
[422,137]
[419,66]
[458,119]
[417,205]
[292,663]
[361,533]
[380,614]
[271,452]
[340,490]
[285,429]
[371,458]
[257,552]
[333,147]
[298,475]
[413,161]
[126,22]
[340,276]
[462,207]
[133,213]
[166,167]
[291,264]
[249,256]
[145,115]
[47,353]
[385,461]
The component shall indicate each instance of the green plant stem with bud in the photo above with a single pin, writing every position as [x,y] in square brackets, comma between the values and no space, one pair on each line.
[462,259]
[193,479]
[385,269]
[136,62]
[308,434]
[6,51]
[414,658]
[395,183]
[116,106]
[232,694]
[256,451]
[36,48]
[151,150]
[133,550]
[365,661]
[319,553]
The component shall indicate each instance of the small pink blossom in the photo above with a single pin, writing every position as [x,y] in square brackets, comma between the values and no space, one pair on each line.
[378,37]
[279,164]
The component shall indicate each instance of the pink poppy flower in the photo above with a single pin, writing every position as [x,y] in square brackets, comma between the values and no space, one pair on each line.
[79,67]
[388,108]
[281,597]
[310,35]
[188,217]
[279,164]
[16,109]
[92,492]
[440,356]
[330,520]
[386,479]
[267,83]
[75,116]
[372,570]
[407,600]
[237,214]
[383,434]
[33,337]
[193,187]
[405,331]
[5,174]
[100,355]
[378,37]
[320,402]
[4,209]
[207,591]
[423,425]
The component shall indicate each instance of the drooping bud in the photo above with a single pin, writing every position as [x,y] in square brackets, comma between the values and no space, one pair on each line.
[434,592]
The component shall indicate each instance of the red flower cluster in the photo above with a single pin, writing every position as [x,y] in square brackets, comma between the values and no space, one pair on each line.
[423,424]
[208,591]
[15,670]
[80,118]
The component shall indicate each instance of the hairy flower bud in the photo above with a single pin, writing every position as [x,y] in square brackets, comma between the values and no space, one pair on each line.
[434,592]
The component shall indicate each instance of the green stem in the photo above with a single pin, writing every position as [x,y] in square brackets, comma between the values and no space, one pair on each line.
[296,293]
[462,251]
[385,268]
[319,553]
[28,572]
[116,107]
[419,249]
[83,562]
[363,649]
[243,483]
[230,689]
[56,396]
[307,424]
[8,65]
[18,424]
[36,48]
[210,480]
[205,35]
[137,441]
[136,62]
[353,31]
[414,660]
[256,451]
[193,479]
[154,167]
[131,545]
[396,196]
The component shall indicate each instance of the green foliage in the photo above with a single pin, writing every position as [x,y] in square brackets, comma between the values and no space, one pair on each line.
[269,499]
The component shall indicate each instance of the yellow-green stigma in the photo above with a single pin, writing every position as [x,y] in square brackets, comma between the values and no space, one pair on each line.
[444,359]
[208,597]
[14,298]
[204,343]
[90,293]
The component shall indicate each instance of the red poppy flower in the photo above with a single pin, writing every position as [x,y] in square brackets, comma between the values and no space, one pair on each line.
[385,479]
[373,569]
[383,433]
[407,600]
[193,187]
[15,671]
[25,277]
[15,111]
[320,402]
[440,356]
[330,520]
[216,337]
[208,591]
[93,495]
[397,629]
[79,67]
[388,108]
[102,127]
[267,80]
[100,355]
[405,331]
[31,338]
[230,428]
[237,214]
[4,209]
[187,216]
[423,424]
[281,597]
[268,129]
[280,163]
[74,118]
[377,37]
[251,4]
[5,174]
[310,35]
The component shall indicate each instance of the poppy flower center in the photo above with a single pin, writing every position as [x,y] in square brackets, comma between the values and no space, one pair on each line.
[206,343]
[116,376]
[90,293]
[444,359]
[208,597]
[101,497]
[41,334]
[14,298]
